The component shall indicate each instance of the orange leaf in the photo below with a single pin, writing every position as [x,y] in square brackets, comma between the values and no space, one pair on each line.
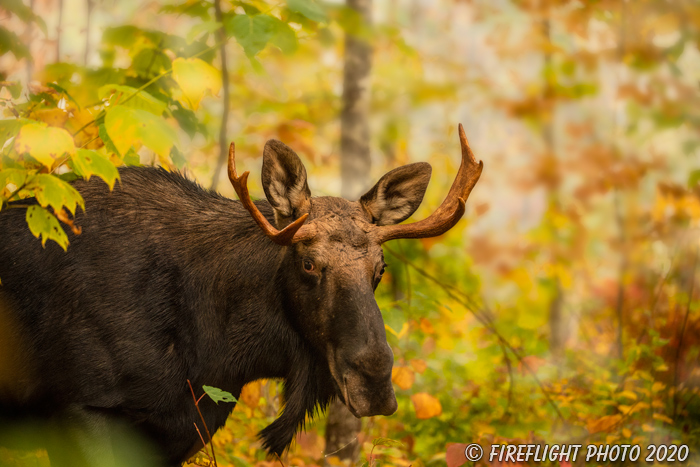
[532,362]
[426,405]
[455,455]
[426,327]
[250,395]
[603,424]
[403,377]
[419,365]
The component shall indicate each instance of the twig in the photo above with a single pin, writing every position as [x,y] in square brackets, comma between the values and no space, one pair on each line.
[135,93]
[202,439]
[341,448]
[486,322]
[206,428]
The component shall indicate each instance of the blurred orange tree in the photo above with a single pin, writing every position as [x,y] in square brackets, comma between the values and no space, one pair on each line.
[562,309]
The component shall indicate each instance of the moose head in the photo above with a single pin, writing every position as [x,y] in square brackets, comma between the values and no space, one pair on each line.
[334,261]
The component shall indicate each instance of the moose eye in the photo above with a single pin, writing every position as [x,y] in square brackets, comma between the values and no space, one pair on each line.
[308,265]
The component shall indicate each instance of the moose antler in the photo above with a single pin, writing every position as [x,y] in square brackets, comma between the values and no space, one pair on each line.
[293,233]
[451,209]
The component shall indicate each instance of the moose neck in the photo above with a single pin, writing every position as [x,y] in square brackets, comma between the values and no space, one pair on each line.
[244,295]
[235,271]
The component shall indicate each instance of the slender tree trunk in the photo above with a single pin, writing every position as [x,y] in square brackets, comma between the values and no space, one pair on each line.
[556,305]
[354,138]
[59,30]
[90,4]
[342,427]
[28,40]
[223,130]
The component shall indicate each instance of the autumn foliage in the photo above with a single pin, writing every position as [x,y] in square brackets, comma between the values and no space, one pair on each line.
[561,309]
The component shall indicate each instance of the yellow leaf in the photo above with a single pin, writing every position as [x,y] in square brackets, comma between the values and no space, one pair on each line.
[663,418]
[624,408]
[626,432]
[131,127]
[426,405]
[44,143]
[658,404]
[647,428]
[250,395]
[401,333]
[52,117]
[629,395]
[87,138]
[657,386]
[640,406]
[195,78]
[403,377]
[419,365]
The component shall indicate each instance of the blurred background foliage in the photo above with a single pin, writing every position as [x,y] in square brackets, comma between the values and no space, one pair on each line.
[561,309]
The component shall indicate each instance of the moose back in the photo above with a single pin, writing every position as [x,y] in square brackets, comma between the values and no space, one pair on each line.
[170,282]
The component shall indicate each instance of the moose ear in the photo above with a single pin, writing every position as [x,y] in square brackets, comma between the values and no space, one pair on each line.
[284,182]
[397,194]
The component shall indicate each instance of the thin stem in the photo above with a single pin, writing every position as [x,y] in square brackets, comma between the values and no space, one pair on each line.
[151,81]
[483,318]
[206,428]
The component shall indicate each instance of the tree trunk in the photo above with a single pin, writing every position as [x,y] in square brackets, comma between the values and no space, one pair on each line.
[342,427]
[557,321]
[354,137]
[223,129]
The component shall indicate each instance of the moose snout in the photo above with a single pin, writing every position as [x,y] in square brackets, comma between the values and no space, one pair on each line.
[366,382]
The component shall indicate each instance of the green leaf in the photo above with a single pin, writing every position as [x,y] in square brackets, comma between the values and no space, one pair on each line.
[109,144]
[693,178]
[217,395]
[132,158]
[197,9]
[129,127]
[252,32]
[199,28]
[123,36]
[87,163]
[118,94]
[195,78]
[24,13]
[178,158]
[308,8]
[150,62]
[44,143]
[42,223]
[187,120]
[386,442]
[285,38]
[9,128]
[52,191]
[15,177]
[14,87]
[9,42]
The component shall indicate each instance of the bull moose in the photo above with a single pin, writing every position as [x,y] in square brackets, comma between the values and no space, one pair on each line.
[171,282]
